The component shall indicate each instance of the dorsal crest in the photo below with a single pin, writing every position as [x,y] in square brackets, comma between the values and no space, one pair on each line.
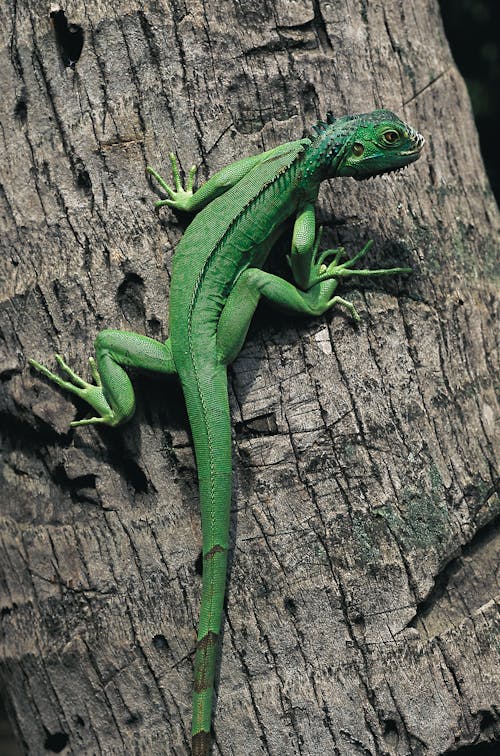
[320,126]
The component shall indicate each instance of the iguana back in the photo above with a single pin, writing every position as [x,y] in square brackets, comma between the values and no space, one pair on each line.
[229,234]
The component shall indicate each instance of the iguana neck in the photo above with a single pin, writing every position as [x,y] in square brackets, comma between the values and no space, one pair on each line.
[326,150]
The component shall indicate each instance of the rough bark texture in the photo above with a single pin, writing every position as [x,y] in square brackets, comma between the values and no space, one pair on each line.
[361,607]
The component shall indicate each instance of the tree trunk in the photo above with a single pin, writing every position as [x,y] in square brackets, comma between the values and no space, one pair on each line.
[360,611]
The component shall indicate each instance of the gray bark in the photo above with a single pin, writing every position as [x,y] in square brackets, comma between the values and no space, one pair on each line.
[361,603]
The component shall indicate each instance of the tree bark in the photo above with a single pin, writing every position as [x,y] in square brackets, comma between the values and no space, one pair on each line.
[361,603]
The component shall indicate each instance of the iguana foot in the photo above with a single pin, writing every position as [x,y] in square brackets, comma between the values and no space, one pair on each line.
[179,197]
[326,272]
[344,303]
[92,394]
[308,267]
[318,264]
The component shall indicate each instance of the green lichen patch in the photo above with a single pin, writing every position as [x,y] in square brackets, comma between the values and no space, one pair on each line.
[422,520]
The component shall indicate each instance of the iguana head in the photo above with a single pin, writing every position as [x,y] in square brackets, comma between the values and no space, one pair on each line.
[367,144]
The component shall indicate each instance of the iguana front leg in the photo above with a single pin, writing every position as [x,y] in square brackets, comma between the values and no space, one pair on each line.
[314,295]
[309,266]
[112,395]
[191,201]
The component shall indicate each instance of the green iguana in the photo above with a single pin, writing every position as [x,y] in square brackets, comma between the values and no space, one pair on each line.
[217,282]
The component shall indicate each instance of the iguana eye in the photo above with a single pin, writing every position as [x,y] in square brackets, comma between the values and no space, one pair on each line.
[358,148]
[390,137]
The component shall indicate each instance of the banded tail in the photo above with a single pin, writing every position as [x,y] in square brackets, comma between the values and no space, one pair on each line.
[208,407]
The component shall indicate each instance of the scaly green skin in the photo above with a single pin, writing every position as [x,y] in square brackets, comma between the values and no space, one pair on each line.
[217,282]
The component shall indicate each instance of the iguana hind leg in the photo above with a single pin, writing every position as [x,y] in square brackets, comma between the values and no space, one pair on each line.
[254,284]
[112,395]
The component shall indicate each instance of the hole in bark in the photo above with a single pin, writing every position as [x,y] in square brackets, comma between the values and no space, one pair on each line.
[290,605]
[83,179]
[135,476]
[477,749]
[56,742]
[390,726]
[78,487]
[391,735]
[69,38]
[487,720]
[198,565]
[264,425]
[129,469]
[154,326]
[130,296]
[21,109]
[160,642]
[79,721]
[359,620]
[134,718]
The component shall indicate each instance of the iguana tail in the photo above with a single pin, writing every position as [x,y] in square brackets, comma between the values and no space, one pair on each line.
[208,408]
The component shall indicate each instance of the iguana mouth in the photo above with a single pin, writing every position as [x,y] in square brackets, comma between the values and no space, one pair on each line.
[396,169]
[408,156]
[418,143]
